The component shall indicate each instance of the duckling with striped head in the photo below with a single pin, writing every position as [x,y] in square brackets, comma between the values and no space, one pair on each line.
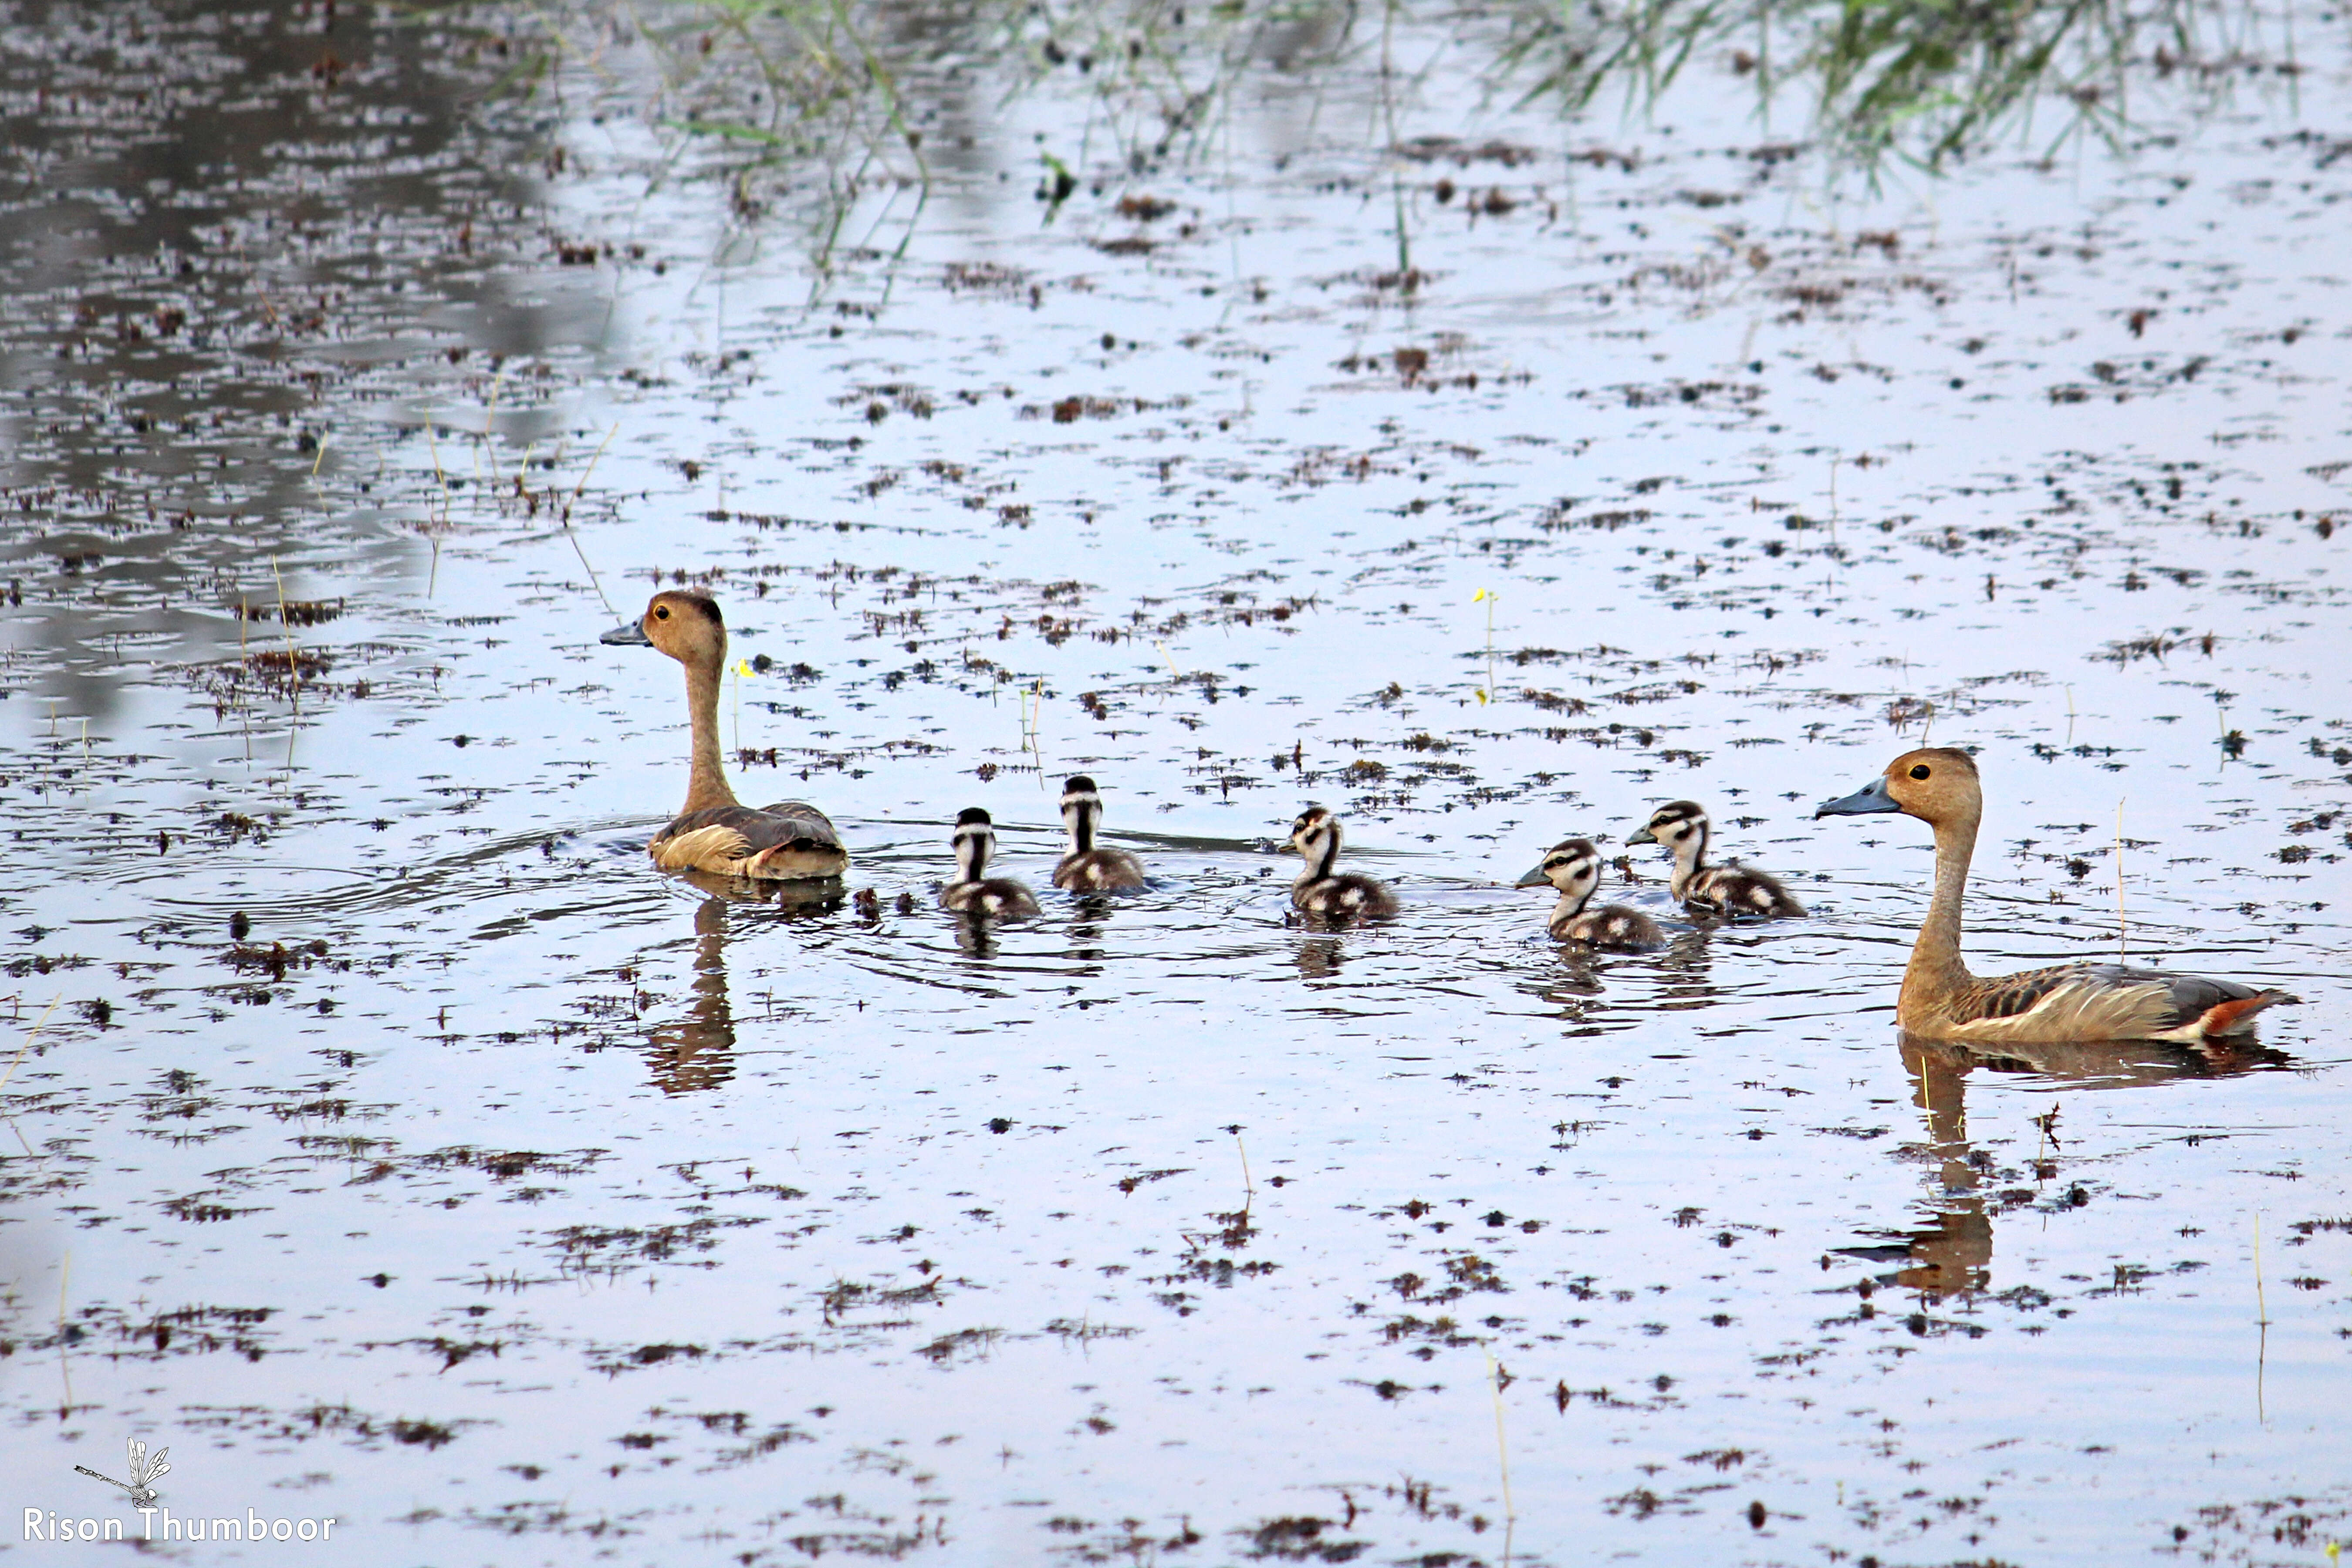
[975,892]
[1730,890]
[1087,868]
[1321,887]
[1573,866]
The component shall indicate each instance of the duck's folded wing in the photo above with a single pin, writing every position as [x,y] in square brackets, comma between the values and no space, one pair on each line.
[2109,1001]
[802,824]
[2007,995]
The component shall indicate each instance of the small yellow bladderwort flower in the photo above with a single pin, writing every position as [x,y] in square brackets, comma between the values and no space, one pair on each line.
[1487,596]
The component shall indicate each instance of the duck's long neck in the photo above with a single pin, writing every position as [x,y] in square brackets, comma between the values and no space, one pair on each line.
[1081,821]
[1935,960]
[972,857]
[706,786]
[1571,904]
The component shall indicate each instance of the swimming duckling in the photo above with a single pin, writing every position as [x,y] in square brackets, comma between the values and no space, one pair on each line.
[1573,866]
[1087,869]
[1730,890]
[2070,1002]
[789,841]
[1321,891]
[975,892]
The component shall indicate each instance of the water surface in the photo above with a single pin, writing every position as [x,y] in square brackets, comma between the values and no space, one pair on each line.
[393,1143]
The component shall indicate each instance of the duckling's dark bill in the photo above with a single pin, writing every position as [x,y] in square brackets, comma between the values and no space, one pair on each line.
[1534,879]
[1641,836]
[629,636]
[1869,798]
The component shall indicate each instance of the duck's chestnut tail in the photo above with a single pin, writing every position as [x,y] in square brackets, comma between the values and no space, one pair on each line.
[2236,1017]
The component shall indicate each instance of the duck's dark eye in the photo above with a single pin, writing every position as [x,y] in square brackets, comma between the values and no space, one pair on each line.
[662,614]
[1920,772]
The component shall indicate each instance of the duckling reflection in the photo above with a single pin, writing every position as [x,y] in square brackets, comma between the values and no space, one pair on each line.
[1952,1253]
[1573,980]
[976,935]
[1086,931]
[697,1052]
[1686,969]
[1570,990]
[1319,957]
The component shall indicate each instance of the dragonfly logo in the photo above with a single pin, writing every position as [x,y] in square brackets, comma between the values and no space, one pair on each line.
[143,1472]
[41,1525]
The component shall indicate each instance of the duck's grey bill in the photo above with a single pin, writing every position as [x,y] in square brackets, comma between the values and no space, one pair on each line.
[1870,797]
[1534,879]
[631,635]
[1641,836]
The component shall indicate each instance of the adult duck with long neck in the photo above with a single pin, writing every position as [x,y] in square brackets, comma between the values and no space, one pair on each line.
[790,841]
[1088,868]
[1730,890]
[1321,887]
[1573,866]
[2071,1002]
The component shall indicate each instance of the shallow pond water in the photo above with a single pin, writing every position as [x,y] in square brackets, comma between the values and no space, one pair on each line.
[395,1144]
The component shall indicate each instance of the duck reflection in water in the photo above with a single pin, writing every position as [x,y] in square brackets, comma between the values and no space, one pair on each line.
[1952,1253]
[697,1052]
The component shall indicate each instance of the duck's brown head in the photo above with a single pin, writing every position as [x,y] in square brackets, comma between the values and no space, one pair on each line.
[1934,784]
[683,623]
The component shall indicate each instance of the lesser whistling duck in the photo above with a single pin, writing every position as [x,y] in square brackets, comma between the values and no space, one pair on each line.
[2071,1002]
[1730,890]
[1320,888]
[1573,866]
[1087,869]
[789,841]
[975,892]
